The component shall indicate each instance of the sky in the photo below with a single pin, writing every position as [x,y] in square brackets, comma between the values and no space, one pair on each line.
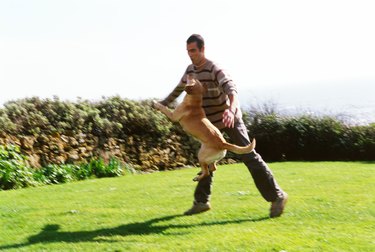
[297,53]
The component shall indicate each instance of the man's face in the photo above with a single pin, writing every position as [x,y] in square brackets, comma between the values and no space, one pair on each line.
[196,55]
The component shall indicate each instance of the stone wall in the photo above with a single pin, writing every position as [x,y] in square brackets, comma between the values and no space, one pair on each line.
[143,154]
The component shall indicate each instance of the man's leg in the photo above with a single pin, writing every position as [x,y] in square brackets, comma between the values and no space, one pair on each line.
[262,175]
[202,192]
[202,195]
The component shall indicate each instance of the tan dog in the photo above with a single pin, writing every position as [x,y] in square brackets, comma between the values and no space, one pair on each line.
[192,118]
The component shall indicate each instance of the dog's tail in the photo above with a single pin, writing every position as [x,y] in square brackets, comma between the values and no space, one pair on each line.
[240,149]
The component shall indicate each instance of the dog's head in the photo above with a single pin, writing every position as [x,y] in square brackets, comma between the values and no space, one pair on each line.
[195,87]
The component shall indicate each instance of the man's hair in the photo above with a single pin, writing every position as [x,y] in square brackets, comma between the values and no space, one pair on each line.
[196,38]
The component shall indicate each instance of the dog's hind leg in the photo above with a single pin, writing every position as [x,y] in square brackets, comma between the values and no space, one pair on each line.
[204,172]
[212,167]
[202,157]
[208,158]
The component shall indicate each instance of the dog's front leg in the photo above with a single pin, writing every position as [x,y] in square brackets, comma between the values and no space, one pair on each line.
[166,111]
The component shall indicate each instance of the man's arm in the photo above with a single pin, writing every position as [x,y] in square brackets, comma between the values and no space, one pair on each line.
[229,88]
[233,103]
[229,114]
[173,95]
[176,91]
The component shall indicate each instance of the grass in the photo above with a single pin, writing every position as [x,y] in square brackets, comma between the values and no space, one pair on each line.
[331,208]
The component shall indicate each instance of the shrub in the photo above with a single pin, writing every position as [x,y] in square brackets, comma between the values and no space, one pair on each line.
[13,171]
[100,169]
[144,129]
[310,138]
[269,131]
[54,174]
[82,172]
[110,117]
[361,142]
[14,175]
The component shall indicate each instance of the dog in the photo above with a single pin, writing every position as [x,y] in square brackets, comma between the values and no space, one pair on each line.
[191,116]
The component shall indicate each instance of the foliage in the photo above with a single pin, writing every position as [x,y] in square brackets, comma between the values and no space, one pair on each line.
[14,173]
[111,117]
[307,137]
[55,174]
[100,169]
[143,129]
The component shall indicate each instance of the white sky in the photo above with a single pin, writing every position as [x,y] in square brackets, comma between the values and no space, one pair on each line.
[136,49]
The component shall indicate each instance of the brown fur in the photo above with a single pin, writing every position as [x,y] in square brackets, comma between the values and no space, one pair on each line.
[192,118]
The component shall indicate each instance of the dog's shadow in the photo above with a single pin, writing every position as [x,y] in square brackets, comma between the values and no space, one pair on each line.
[50,233]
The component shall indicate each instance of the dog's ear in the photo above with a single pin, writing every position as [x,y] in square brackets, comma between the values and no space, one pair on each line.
[190,79]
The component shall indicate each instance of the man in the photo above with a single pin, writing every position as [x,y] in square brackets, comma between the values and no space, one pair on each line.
[221,106]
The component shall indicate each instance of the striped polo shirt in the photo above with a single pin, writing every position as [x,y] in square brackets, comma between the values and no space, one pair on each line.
[216,99]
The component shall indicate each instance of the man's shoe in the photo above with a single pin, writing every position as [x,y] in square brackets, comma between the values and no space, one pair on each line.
[277,207]
[198,207]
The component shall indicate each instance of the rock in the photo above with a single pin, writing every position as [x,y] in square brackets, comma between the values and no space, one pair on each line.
[27,142]
[143,153]
[42,139]
[34,160]
[59,159]
[64,138]
[73,155]
[73,142]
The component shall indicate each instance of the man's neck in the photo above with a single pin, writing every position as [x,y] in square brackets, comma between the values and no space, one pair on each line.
[201,64]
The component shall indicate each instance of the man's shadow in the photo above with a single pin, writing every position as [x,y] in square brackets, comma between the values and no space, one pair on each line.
[50,233]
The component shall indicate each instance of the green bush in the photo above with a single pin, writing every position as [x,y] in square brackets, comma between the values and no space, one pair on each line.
[310,138]
[278,137]
[110,117]
[361,142]
[123,118]
[82,172]
[100,169]
[14,175]
[55,174]
[269,131]
[13,171]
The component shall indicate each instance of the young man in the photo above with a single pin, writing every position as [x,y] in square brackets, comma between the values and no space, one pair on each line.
[221,106]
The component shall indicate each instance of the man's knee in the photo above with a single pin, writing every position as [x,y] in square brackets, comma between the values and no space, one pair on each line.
[254,161]
[251,157]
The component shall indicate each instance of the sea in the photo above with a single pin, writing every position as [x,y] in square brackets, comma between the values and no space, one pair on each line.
[353,104]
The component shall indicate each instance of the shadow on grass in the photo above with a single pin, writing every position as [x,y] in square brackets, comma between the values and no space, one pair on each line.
[50,233]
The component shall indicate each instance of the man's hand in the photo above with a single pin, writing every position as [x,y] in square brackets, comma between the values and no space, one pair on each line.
[228,118]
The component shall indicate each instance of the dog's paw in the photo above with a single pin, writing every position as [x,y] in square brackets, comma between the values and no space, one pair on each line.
[156,105]
[200,177]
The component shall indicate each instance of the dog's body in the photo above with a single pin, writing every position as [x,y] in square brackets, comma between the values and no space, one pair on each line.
[192,118]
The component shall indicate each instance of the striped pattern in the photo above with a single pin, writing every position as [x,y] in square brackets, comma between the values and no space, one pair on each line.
[216,100]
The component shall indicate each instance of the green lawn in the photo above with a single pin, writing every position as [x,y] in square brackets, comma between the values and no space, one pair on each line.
[331,208]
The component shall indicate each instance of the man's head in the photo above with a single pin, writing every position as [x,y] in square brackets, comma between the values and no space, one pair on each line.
[196,38]
[195,49]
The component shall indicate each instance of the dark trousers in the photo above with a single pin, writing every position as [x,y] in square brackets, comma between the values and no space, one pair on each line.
[262,175]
